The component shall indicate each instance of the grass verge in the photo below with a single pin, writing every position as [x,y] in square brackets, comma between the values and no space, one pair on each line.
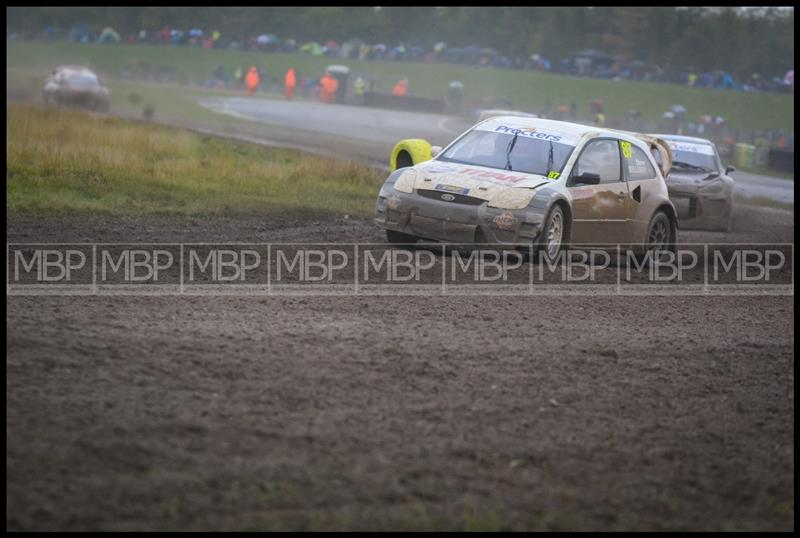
[68,161]
[525,89]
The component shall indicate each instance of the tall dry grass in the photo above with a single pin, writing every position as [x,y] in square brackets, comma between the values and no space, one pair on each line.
[68,161]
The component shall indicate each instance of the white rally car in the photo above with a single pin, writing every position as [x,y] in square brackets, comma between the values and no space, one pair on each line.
[531,182]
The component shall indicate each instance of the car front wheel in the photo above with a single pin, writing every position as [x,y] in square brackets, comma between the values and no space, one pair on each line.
[729,227]
[554,233]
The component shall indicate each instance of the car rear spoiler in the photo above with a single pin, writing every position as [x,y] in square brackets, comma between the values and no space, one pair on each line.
[661,146]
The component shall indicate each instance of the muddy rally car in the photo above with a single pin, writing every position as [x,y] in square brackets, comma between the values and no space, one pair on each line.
[699,186]
[526,182]
[76,86]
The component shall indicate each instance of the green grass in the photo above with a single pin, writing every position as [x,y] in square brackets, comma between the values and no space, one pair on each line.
[67,161]
[525,89]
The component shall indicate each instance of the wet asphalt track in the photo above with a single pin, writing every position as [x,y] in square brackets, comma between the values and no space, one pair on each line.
[388,126]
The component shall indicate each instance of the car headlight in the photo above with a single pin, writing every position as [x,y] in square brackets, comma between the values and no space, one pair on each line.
[406,181]
[512,198]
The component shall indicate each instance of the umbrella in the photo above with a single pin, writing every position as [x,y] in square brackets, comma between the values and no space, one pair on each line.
[109,35]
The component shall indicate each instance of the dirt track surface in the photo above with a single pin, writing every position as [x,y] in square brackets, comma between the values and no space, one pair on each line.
[751,224]
[143,413]
[157,413]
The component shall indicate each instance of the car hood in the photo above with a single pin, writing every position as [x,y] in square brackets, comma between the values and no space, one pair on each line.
[476,181]
[689,181]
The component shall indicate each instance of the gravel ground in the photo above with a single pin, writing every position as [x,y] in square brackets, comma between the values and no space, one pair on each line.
[580,413]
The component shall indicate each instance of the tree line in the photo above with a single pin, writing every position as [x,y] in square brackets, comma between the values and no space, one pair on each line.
[737,40]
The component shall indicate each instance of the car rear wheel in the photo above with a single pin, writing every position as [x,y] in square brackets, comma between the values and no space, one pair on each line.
[660,237]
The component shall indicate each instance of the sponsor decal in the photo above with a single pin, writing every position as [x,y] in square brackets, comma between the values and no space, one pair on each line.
[705,149]
[452,188]
[530,132]
[488,174]
[505,221]
[532,128]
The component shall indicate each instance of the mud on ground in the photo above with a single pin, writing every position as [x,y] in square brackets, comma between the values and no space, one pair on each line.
[141,413]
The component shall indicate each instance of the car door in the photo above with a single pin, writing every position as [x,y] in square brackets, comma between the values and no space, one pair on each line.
[599,194]
[643,182]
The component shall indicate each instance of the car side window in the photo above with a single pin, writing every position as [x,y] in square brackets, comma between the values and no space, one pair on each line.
[639,166]
[600,157]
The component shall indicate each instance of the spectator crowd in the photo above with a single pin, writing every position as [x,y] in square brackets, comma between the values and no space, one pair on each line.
[589,63]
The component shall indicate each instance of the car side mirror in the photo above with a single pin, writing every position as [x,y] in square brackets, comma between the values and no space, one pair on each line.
[435,150]
[730,168]
[586,178]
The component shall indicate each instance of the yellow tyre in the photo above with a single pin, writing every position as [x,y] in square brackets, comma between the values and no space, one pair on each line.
[410,152]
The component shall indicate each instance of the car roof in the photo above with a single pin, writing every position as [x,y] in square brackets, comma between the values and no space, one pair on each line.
[566,127]
[681,138]
[74,69]
[573,131]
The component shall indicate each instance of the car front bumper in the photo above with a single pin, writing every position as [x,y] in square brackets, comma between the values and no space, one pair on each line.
[451,221]
[701,211]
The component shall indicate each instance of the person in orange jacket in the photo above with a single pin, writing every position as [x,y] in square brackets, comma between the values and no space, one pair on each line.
[290,82]
[328,87]
[334,87]
[400,88]
[252,80]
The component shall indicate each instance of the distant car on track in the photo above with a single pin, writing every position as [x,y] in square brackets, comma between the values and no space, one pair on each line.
[699,186]
[76,86]
[523,182]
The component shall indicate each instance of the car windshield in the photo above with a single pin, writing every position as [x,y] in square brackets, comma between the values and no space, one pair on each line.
[82,81]
[516,150]
[693,157]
